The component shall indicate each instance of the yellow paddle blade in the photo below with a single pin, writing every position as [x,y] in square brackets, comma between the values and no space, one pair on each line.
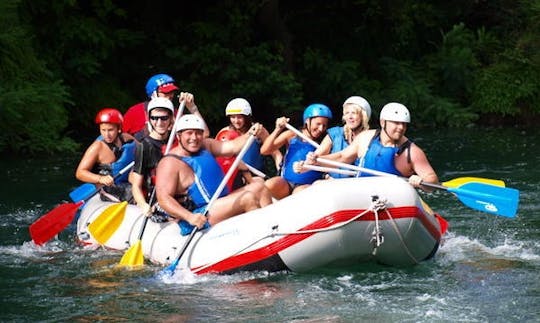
[457,182]
[106,224]
[133,256]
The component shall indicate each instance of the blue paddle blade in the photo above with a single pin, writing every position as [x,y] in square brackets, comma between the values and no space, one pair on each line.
[82,192]
[488,198]
[171,268]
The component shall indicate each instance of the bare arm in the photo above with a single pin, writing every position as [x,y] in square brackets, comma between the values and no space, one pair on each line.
[171,178]
[231,147]
[192,107]
[137,182]
[89,159]
[325,147]
[277,138]
[422,168]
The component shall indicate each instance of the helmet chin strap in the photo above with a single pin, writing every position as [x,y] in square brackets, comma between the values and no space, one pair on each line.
[386,132]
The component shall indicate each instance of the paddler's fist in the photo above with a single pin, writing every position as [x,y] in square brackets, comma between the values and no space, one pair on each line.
[106,180]
[298,167]
[311,158]
[256,130]
[190,101]
[197,219]
[281,122]
[415,180]
[145,208]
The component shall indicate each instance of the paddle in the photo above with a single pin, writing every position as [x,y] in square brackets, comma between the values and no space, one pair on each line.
[255,171]
[172,267]
[56,220]
[479,196]
[82,192]
[134,255]
[456,182]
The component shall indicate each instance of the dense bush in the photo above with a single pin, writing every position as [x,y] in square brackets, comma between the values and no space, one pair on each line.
[451,63]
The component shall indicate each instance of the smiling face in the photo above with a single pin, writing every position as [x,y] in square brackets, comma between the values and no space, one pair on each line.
[317,127]
[109,131]
[161,121]
[191,140]
[239,122]
[352,115]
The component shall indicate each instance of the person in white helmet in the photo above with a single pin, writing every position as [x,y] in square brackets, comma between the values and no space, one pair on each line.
[240,116]
[189,176]
[356,114]
[150,149]
[388,149]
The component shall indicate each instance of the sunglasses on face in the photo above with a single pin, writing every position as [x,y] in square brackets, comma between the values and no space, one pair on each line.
[162,118]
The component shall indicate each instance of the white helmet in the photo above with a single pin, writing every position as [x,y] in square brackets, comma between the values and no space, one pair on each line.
[190,121]
[238,106]
[395,112]
[160,102]
[360,101]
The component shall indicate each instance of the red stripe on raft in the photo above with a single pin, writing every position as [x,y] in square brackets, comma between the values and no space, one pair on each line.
[250,257]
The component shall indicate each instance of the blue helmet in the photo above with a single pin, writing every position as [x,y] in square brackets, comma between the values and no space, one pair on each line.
[317,110]
[158,80]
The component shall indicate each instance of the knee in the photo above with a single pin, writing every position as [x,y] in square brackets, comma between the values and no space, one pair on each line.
[249,201]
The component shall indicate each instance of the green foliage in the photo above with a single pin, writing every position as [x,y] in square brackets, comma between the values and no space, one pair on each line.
[227,63]
[331,81]
[32,116]
[509,81]
[506,86]
[454,63]
[450,62]
[410,87]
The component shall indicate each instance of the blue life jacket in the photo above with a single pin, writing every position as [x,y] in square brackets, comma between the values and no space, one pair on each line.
[124,155]
[337,135]
[207,177]
[297,151]
[381,158]
[253,156]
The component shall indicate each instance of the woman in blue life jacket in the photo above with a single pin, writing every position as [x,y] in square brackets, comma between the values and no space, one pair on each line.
[356,114]
[189,176]
[240,116]
[107,155]
[388,149]
[315,118]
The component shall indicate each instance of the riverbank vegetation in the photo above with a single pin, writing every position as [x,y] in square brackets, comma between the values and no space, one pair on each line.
[454,64]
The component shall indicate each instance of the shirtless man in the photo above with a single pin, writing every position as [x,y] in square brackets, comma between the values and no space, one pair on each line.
[189,176]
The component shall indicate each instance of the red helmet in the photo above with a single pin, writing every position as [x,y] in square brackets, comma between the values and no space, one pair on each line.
[227,134]
[109,115]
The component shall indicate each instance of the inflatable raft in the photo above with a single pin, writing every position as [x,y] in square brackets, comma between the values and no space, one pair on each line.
[332,223]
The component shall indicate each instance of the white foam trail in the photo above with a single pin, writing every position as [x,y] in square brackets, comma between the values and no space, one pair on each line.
[458,248]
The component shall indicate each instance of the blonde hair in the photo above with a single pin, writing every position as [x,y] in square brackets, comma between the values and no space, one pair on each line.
[347,131]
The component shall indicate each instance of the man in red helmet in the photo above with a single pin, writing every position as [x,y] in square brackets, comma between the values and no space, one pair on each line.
[105,157]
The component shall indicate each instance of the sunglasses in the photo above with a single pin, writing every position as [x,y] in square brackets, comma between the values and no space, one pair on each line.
[162,118]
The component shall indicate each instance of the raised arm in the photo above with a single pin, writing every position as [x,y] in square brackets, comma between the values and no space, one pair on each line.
[192,107]
[231,147]
[277,138]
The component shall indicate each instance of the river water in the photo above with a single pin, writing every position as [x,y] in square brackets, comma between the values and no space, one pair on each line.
[487,269]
